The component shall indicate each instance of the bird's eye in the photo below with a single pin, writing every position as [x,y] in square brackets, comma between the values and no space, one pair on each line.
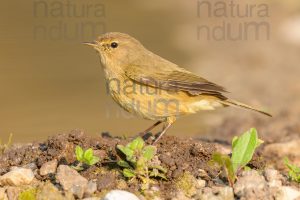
[114,45]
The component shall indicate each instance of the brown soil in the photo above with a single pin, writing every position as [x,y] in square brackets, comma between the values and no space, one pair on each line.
[177,155]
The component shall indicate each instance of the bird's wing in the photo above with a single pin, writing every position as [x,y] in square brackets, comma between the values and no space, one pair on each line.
[173,78]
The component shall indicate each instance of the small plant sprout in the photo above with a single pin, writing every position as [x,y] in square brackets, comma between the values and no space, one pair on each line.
[243,148]
[294,171]
[28,194]
[137,162]
[5,146]
[85,157]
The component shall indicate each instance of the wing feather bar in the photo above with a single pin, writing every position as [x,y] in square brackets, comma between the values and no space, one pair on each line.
[174,80]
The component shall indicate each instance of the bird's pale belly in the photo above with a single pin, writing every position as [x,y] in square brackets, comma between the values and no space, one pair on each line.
[153,103]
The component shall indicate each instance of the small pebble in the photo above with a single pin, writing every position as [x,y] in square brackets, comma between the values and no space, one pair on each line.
[290,193]
[3,195]
[200,183]
[12,193]
[31,166]
[48,167]
[120,195]
[18,176]
[91,188]
[71,180]
[273,177]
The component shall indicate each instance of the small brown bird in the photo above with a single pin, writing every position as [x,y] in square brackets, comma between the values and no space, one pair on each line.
[152,87]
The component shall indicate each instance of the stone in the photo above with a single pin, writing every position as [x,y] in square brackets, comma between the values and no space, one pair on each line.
[3,195]
[290,193]
[203,174]
[180,196]
[90,189]
[121,185]
[106,181]
[49,167]
[155,188]
[251,185]
[225,193]
[222,149]
[71,180]
[167,159]
[100,154]
[48,191]
[120,194]
[200,183]
[216,193]
[12,193]
[273,177]
[31,166]
[77,190]
[187,184]
[17,176]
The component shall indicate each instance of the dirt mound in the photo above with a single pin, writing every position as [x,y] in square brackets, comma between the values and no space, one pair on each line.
[186,161]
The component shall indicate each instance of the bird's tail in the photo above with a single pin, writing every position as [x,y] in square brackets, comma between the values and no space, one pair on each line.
[229,102]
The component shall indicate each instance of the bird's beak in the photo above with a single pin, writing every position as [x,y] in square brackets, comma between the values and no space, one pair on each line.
[93,44]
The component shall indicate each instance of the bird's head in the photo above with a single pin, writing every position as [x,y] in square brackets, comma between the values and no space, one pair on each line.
[117,47]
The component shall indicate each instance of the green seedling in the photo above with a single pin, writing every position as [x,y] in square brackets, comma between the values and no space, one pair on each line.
[29,194]
[224,162]
[137,162]
[243,148]
[86,157]
[5,146]
[294,171]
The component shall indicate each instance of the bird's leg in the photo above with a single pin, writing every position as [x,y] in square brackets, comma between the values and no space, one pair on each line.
[167,125]
[149,129]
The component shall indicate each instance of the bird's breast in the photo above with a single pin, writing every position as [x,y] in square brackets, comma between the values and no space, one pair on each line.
[145,101]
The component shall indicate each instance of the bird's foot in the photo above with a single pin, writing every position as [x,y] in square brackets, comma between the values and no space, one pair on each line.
[156,138]
[147,137]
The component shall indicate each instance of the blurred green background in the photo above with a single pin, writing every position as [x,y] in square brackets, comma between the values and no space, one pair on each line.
[50,83]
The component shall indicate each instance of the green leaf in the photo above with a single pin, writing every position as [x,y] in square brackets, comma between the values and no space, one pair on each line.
[225,162]
[78,168]
[244,148]
[137,144]
[234,141]
[79,153]
[137,161]
[160,168]
[230,171]
[149,152]
[218,159]
[123,163]
[291,167]
[88,154]
[128,173]
[156,173]
[294,171]
[162,176]
[126,151]
[29,194]
[93,161]
[120,147]
[259,142]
